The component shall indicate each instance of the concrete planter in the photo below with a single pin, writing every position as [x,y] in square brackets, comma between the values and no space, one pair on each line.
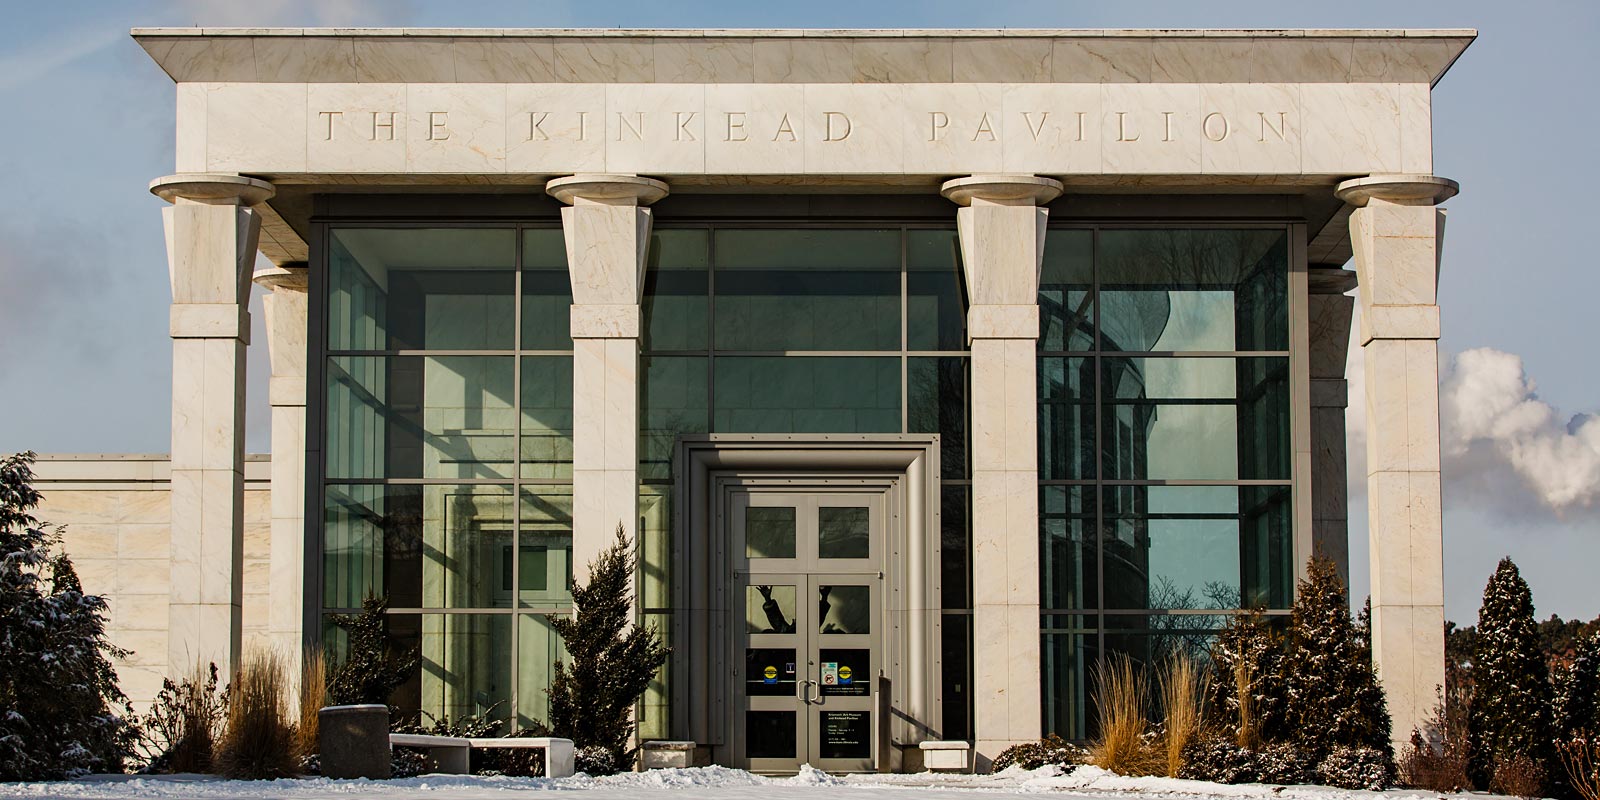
[354,741]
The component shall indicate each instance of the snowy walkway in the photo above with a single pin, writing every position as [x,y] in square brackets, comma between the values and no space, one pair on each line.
[711,783]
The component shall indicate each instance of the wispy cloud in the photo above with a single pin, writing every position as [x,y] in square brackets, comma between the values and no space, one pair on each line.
[31,63]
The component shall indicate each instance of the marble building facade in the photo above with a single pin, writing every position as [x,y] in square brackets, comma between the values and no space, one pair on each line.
[1015,348]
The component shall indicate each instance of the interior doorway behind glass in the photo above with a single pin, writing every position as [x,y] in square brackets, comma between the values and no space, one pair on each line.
[809,631]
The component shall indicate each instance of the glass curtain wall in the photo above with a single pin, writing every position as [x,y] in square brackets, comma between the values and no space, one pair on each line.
[808,329]
[448,456]
[1164,445]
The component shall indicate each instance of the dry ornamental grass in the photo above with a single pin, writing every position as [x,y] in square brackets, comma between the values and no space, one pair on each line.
[313,696]
[259,742]
[1121,700]
[1182,703]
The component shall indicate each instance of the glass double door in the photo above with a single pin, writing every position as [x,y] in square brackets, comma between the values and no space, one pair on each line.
[809,630]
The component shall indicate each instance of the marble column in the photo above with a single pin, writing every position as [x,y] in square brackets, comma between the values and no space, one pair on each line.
[285,310]
[1329,311]
[211,233]
[1002,231]
[1396,234]
[607,230]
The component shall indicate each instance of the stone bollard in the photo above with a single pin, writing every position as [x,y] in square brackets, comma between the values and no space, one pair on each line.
[354,741]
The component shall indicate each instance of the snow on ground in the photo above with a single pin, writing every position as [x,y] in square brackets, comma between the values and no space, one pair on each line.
[708,783]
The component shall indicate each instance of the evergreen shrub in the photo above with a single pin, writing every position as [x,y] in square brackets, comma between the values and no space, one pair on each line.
[372,667]
[1349,767]
[1051,749]
[1508,722]
[61,713]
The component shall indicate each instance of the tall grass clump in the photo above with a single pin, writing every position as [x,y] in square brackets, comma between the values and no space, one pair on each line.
[259,741]
[1183,706]
[1120,705]
[313,695]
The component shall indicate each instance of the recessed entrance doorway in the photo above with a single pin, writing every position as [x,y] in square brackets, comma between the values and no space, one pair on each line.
[810,629]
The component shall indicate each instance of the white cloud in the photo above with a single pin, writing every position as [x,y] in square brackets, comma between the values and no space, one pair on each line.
[1503,448]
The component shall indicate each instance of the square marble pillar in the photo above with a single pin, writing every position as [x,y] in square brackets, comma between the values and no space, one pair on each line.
[285,309]
[211,238]
[607,233]
[1329,317]
[1396,235]
[1002,230]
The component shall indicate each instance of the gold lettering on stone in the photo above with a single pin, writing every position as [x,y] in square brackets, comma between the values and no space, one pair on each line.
[829,118]
[328,116]
[437,120]
[937,121]
[1027,118]
[984,127]
[1283,125]
[1166,119]
[1215,126]
[734,126]
[387,126]
[1122,128]
[682,131]
[637,126]
[783,128]
[536,133]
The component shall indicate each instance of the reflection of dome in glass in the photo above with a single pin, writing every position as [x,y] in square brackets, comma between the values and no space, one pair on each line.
[1133,321]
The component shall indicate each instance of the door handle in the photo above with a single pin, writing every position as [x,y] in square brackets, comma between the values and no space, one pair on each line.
[805,691]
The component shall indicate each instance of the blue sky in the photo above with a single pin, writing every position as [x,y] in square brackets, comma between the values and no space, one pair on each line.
[88,121]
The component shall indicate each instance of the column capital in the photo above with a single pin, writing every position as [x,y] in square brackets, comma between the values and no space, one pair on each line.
[1400,190]
[597,189]
[215,189]
[1001,190]
[292,277]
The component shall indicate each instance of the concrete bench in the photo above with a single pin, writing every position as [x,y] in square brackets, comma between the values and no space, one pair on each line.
[453,754]
[937,755]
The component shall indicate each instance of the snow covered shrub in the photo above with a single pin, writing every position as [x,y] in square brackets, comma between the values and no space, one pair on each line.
[1508,724]
[1284,762]
[465,726]
[593,693]
[1120,703]
[1219,758]
[180,732]
[1183,683]
[1051,749]
[59,701]
[516,762]
[372,668]
[1581,759]
[1356,768]
[595,760]
[1247,694]
[1518,776]
[409,762]
[1334,700]
[259,741]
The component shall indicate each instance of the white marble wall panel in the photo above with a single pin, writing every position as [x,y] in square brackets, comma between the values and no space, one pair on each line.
[650,128]
[455,128]
[1350,128]
[356,127]
[554,128]
[754,130]
[190,144]
[836,129]
[256,127]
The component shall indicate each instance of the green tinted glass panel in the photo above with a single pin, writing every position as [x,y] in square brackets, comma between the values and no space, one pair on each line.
[807,395]
[672,401]
[1067,659]
[433,546]
[936,314]
[539,647]
[546,417]
[1066,418]
[676,286]
[936,402]
[1195,419]
[1069,576]
[463,669]
[844,532]
[546,291]
[769,532]
[807,289]
[545,572]
[420,417]
[421,288]
[844,609]
[1209,290]
[770,609]
[1066,291]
